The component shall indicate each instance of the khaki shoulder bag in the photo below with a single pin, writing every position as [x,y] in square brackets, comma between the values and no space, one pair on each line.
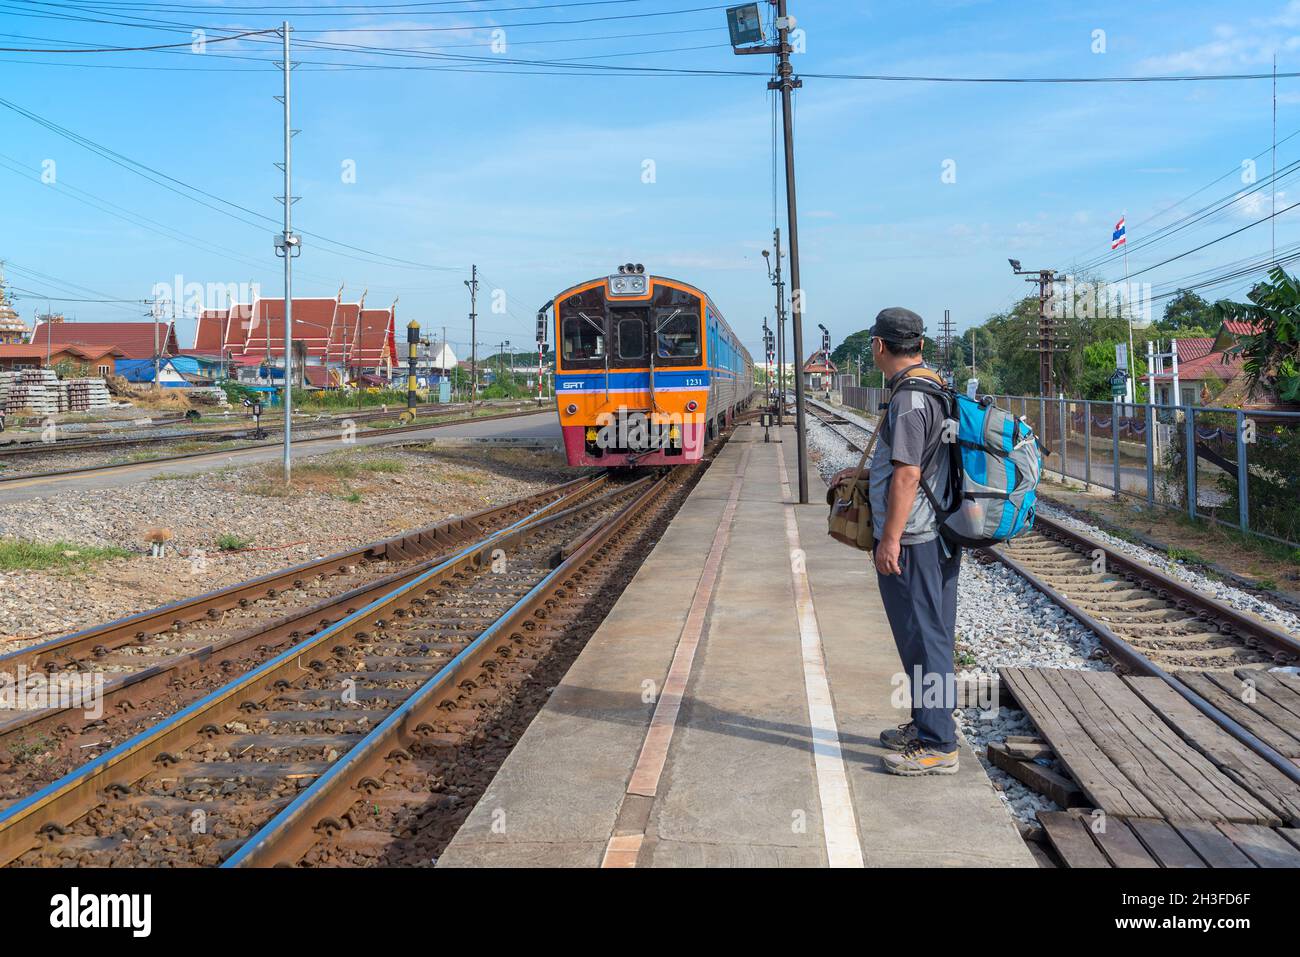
[849,493]
[850,501]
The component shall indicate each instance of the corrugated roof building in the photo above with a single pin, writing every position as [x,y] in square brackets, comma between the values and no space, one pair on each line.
[135,339]
[332,332]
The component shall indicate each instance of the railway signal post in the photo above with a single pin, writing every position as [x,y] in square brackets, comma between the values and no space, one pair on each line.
[472,285]
[412,347]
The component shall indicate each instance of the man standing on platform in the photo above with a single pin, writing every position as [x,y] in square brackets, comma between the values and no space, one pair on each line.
[916,569]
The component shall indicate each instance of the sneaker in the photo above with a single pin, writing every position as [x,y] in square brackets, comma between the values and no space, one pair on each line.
[897,739]
[918,759]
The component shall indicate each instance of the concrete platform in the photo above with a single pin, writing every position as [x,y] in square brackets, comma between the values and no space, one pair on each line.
[759,749]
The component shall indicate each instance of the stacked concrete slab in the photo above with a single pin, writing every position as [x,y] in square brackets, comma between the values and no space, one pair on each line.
[36,390]
[86,395]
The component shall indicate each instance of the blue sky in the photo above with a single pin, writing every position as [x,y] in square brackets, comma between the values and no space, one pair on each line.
[539,179]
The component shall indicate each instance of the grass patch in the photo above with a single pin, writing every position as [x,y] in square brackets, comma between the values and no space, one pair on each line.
[1185,555]
[336,470]
[383,465]
[351,497]
[21,555]
[229,542]
[26,751]
[272,490]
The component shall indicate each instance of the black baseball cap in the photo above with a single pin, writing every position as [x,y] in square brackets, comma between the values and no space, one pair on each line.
[899,326]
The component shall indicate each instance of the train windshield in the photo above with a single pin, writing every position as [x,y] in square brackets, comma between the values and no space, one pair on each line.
[630,331]
[676,319]
[583,339]
[677,334]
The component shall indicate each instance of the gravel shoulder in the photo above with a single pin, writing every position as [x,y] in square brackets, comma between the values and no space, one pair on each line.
[339,500]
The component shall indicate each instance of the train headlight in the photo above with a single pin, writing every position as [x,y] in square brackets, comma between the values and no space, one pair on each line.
[627,285]
[674,433]
[571,409]
[591,435]
[692,405]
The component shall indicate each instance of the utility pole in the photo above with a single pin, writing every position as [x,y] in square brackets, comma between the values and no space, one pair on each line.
[786,83]
[1046,347]
[945,341]
[472,283]
[501,360]
[1046,344]
[780,328]
[153,314]
[289,246]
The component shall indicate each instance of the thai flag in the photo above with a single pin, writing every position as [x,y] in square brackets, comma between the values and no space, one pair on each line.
[1117,237]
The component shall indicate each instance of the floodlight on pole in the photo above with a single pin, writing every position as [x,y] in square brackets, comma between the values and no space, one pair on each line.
[745,23]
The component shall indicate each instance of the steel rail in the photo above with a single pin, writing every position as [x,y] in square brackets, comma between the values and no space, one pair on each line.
[406,546]
[253,446]
[291,833]
[75,794]
[123,690]
[1181,593]
[1136,662]
[103,439]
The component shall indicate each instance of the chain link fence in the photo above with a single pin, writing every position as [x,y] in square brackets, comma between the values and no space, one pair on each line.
[1243,470]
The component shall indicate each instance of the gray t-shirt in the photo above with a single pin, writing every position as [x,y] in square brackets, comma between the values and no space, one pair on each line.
[912,424]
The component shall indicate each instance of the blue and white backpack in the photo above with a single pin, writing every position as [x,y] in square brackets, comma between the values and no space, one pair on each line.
[996,461]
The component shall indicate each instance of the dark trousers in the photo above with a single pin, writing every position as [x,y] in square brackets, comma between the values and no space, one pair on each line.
[921,605]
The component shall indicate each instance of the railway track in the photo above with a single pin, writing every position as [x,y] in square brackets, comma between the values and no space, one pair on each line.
[830,417]
[1149,623]
[96,442]
[181,644]
[189,644]
[1146,619]
[267,767]
[34,477]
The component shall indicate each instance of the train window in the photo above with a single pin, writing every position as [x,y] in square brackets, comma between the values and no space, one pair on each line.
[677,334]
[631,336]
[582,340]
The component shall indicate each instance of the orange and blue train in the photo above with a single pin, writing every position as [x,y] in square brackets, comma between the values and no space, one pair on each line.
[646,370]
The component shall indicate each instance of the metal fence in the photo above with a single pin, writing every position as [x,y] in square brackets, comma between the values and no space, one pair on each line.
[1244,471]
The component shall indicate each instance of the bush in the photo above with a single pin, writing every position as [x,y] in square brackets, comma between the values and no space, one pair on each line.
[341,399]
[1274,481]
[236,393]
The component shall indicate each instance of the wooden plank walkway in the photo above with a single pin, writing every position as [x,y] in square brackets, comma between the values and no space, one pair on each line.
[1083,840]
[1130,761]
[1249,701]
[1274,789]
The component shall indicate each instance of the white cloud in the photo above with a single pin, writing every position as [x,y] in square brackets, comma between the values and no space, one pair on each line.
[1250,45]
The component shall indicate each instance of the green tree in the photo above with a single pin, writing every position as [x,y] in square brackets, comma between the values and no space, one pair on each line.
[855,344]
[1185,312]
[1272,355]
